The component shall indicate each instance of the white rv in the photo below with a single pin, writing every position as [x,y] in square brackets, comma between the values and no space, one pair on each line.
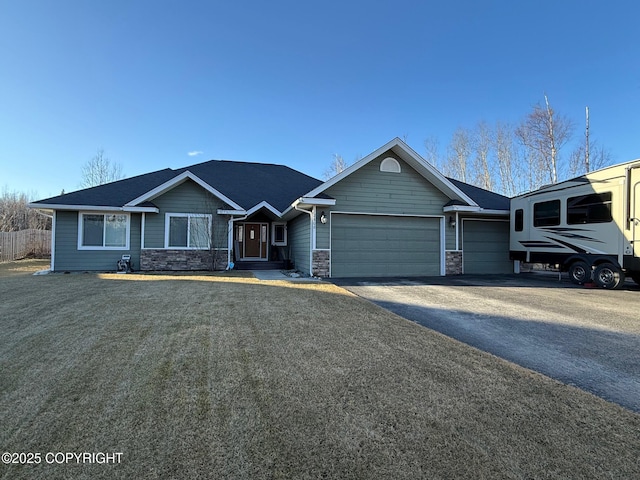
[589,226]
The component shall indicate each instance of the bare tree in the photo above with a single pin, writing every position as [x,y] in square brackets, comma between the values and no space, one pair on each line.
[432,152]
[459,151]
[599,157]
[590,156]
[543,133]
[100,170]
[506,159]
[482,162]
[16,216]
[337,165]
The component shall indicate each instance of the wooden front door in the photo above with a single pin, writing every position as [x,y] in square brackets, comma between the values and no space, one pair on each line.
[255,240]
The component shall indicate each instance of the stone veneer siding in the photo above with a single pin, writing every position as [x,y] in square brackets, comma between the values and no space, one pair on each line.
[176,260]
[453,263]
[320,263]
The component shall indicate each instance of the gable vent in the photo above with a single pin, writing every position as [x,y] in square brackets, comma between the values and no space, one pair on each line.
[390,165]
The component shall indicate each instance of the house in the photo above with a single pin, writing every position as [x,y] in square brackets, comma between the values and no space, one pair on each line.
[389,214]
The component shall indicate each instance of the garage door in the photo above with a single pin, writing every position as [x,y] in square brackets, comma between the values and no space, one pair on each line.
[485,247]
[384,246]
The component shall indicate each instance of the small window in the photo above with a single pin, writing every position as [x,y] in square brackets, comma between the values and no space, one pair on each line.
[390,165]
[103,231]
[188,230]
[519,220]
[546,214]
[592,208]
[279,234]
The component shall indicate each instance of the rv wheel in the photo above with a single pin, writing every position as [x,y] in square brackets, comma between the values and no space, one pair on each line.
[607,275]
[580,273]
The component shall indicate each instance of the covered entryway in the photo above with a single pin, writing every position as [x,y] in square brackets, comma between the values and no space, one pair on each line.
[385,245]
[485,247]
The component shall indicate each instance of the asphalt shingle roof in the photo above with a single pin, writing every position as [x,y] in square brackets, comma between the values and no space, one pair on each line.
[247,184]
[484,198]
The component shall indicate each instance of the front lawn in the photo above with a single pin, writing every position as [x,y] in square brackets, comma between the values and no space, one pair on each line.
[222,377]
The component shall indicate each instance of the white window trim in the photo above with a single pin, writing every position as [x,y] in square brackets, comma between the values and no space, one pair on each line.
[273,234]
[168,215]
[94,247]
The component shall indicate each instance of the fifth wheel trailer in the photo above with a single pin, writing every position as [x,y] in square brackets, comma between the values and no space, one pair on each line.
[589,226]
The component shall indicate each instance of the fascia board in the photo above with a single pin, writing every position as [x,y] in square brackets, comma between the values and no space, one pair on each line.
[310,202]
[478,210]
[168,185]
[101,208]
[461,208]
[231,212]
[267,205]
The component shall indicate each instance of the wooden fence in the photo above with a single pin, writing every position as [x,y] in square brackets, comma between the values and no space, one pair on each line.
[25,243]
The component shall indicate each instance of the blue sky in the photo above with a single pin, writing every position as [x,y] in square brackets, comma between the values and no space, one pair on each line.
[294,82]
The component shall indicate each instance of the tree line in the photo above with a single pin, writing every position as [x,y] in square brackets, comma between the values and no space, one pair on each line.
[512,159]
[16,216]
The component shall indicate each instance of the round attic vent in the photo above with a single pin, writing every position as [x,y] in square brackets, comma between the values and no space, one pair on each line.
[390,165]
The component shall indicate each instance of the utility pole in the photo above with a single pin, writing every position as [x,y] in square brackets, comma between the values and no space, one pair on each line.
[586,146]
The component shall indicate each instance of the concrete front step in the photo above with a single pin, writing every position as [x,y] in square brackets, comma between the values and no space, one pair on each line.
[244,265]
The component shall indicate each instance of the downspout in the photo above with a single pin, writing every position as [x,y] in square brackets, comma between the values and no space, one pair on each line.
[457,228]
[311,239]
[230,237]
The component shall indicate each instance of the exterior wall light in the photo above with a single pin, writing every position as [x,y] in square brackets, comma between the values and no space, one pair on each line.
[323,217]
[452,222]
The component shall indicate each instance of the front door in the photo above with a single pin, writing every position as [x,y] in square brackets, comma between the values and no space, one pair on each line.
[255,240]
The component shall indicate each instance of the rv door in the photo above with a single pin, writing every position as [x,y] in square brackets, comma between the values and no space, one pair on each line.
[635,211]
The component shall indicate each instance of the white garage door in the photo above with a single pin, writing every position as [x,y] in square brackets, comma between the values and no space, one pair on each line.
[384,246]
[485,247]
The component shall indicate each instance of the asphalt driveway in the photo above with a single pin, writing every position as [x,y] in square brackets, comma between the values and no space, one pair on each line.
[589,338]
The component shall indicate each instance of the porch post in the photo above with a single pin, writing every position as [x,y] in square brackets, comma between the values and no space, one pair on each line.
[229,240]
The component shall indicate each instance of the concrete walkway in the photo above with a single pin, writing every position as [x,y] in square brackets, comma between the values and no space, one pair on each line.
[278,275]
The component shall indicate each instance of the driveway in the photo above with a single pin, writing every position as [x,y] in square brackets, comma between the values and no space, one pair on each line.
[589,338]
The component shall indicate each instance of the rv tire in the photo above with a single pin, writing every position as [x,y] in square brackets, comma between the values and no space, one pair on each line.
[607,275]
[580,272]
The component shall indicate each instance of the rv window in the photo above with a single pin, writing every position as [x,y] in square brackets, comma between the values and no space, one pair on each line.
[519,220]
[593,208]
[546,213]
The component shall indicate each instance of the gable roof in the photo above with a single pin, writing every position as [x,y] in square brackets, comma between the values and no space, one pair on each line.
[242,185]
[408,155]
[460,193]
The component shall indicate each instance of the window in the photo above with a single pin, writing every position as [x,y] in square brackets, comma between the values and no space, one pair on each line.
[103,231]
[546,214]
[188,230]
[592,208]
[390,165]
[519,220]
[279,234]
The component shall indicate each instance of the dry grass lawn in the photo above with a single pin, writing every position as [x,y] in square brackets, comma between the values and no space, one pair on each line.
[231,378]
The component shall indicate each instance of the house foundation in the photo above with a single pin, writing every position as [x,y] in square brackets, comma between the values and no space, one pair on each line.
[181,260]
